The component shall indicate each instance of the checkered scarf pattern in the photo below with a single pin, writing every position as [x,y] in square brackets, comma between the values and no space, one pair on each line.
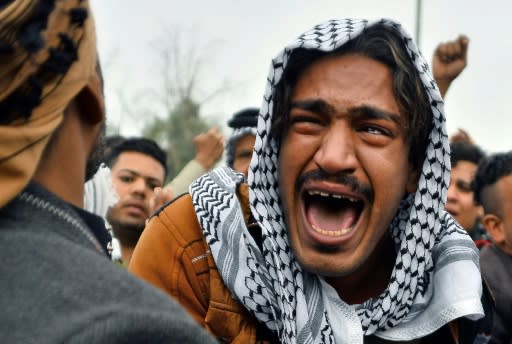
[299,306]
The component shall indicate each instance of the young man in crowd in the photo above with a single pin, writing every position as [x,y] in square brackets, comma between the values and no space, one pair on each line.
[57,281]
[493,190]
[138,166]
[341,234]
[460,202]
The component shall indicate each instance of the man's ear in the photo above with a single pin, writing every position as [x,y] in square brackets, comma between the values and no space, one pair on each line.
[494,227]
[91,103]
[412,179]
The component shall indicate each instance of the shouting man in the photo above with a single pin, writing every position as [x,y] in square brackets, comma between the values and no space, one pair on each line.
[343,237]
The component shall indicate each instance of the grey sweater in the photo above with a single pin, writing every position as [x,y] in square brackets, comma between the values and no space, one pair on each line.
[58,286]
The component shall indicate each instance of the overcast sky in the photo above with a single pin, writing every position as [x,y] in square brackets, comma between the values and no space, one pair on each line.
[243,36]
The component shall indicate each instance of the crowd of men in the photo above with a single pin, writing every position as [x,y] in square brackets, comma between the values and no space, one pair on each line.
[343,212]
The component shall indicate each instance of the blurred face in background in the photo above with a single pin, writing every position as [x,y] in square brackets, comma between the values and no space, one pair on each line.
[460,203]
[243,153]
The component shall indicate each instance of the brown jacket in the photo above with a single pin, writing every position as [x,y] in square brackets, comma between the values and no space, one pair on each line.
[172,254]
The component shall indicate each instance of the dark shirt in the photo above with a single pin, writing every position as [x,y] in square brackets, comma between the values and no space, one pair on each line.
[496,268]
[97,226]
[479,236]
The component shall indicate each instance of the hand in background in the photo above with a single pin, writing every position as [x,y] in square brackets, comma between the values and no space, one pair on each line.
[449,60]
[159,198]
[209,147]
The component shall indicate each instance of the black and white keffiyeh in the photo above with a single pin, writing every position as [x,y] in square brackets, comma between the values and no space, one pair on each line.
[436,276]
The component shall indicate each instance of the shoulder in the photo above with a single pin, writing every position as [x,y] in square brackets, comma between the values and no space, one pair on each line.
[488,251]
[493,261]
[136,312]
[172,234]
[81,296]
[183,201]
[179,219]
[142,327]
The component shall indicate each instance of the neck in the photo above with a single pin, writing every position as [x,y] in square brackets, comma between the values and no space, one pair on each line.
[126,254]
[370,279]
[73,192]
[128,236]
[62,166]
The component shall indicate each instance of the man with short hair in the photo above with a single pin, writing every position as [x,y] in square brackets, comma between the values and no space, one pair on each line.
[138,166]
[58,285]
[240,144]
[341,235]
[493,190]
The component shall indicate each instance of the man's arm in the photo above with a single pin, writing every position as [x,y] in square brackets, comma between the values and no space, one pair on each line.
[209,148]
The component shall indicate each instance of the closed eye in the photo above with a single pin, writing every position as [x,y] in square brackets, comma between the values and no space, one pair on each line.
[375,130]
[305,119]
[306,124]
[376,135]
[375,122]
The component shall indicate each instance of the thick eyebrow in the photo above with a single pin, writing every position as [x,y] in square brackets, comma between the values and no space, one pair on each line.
[137,174]
[317,106]
[371,112]
[321,107]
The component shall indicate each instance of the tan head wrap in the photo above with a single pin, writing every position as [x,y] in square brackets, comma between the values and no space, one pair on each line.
[22,141]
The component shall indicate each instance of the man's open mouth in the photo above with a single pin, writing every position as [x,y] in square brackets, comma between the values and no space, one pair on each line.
[331,214]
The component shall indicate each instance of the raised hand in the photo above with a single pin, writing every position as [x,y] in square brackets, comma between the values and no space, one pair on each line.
[449,60]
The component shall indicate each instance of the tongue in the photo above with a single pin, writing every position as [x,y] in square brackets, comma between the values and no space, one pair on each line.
[331,219]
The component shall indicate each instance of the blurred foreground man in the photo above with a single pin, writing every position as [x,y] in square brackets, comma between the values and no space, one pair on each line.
[341,235]
[58,285]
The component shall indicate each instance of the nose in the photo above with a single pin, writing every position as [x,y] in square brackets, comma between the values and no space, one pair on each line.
[337,153]
[139,188]
[452,193]
[245,168]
